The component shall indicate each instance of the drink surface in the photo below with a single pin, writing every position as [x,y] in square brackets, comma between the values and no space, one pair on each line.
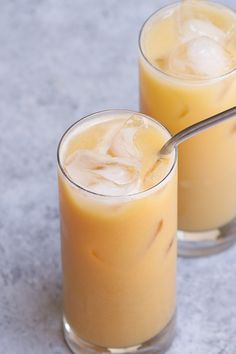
[118,253]
[194,40]
[117,156]
[187,74]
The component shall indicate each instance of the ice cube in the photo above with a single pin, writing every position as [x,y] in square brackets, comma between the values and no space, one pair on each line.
[103,173]
[195,28]
[123,144]
[156,172]
[187,10]
[107,139]
[200,57]
[208,58]
[234,128]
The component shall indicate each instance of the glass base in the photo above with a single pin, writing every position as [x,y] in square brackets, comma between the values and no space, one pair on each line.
[158,344]
[205,243]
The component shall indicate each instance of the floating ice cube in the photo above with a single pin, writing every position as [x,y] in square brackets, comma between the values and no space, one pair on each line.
[234,128]
[103,173]
[200,57]
[156,172]
[123,144]
[230,43]
[192,22]
[207,57]
[178,61]
[195,28]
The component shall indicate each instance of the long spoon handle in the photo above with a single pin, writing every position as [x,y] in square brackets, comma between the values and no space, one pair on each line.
[195,129]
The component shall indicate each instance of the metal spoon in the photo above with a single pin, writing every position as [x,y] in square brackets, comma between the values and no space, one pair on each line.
[195,129]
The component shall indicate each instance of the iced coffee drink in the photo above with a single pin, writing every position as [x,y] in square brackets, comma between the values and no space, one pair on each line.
[118,214]
[187,74]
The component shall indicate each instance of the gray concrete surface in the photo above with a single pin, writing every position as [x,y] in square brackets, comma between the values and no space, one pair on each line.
[59,60]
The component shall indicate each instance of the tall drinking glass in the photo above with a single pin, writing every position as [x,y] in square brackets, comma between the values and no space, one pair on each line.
[187,74]
[118,242]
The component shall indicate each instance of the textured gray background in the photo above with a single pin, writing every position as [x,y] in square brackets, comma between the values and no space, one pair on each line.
[59,60]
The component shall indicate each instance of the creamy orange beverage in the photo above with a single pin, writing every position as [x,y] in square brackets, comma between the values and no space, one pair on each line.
[187,74]
[118,214]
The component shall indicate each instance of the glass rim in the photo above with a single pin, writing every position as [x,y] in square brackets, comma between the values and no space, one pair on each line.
[155,187]
[187,81]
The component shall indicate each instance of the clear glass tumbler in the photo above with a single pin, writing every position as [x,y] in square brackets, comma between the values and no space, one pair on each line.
[207,162]
[118,259]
